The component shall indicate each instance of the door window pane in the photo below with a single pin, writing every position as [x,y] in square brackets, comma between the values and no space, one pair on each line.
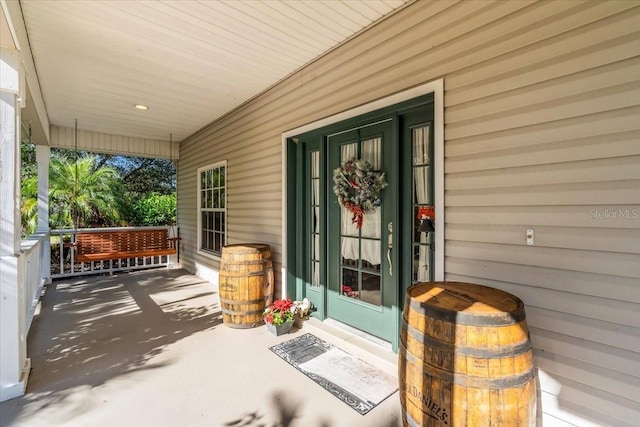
[371,224]
[315,254]
[421,147]
[315,191]
[421,271]
[348,152]
[315,274]
[421,181]
[370,252]
[349,285]
[350,250]
[372,152]
[371,289]
[347,226]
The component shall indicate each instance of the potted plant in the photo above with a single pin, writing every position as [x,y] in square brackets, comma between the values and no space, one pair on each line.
[279,316]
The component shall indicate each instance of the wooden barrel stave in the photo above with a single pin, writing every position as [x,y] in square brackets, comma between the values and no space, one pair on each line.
[473,369]
[246,284]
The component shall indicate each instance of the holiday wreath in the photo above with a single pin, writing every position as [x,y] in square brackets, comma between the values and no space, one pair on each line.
[358,188]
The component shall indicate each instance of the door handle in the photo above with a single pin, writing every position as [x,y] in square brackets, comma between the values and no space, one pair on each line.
[390,246]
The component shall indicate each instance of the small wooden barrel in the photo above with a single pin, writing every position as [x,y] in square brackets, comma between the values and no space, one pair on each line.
[246,284]
[465,358]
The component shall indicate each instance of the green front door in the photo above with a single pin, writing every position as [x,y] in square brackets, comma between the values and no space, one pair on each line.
[358,276]
[362,290]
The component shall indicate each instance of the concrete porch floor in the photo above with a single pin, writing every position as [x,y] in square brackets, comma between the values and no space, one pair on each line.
[149,348]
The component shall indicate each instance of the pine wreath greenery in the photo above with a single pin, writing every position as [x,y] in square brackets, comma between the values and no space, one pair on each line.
[358,188]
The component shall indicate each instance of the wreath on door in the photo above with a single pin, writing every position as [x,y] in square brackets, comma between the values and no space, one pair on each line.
[358,188]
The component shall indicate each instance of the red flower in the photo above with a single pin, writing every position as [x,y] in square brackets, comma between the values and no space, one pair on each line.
[268,318]
[282,304]
[279,312]
[348,291]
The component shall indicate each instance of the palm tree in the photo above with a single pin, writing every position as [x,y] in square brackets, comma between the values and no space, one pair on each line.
[28,188]
[83,195]
[29,205]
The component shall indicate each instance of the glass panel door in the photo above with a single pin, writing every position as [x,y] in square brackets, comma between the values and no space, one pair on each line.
[362,289]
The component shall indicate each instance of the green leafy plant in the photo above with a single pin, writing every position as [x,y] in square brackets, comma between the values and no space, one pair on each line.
[155,209]
[28,189]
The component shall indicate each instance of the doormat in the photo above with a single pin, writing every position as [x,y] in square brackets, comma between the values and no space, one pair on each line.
[356,383]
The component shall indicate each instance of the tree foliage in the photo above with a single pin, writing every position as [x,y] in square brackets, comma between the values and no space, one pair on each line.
[99,190]
[155,209]
[29,189]
[143,176]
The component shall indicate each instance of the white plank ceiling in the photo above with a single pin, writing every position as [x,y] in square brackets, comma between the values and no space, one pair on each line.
[190,62]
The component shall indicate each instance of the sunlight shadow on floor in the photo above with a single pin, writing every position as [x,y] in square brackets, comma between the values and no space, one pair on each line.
[92,330]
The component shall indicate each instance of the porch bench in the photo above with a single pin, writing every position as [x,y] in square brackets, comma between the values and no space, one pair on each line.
[121,244]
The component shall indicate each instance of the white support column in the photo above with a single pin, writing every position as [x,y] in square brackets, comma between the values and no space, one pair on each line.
[14,365]
[43,154]
[11,79]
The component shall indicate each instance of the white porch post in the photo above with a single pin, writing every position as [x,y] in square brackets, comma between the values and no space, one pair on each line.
[14,364]
[43,154]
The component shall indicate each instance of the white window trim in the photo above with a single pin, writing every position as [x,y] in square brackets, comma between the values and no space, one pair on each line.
[437,88]
[199,212]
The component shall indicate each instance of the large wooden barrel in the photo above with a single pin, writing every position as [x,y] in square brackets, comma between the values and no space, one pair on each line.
[465,358]
[246,284]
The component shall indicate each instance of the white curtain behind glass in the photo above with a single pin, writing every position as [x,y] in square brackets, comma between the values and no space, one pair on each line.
[371,152]
[421,180]
[315,175]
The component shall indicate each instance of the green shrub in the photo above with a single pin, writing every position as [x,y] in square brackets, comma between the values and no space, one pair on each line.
[155,209]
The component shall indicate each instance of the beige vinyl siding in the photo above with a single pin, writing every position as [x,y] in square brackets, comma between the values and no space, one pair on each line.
[542,130]
[97,142]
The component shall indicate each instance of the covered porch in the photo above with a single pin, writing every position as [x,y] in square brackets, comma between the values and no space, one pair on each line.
[46,89]
[535,165]
[149,348]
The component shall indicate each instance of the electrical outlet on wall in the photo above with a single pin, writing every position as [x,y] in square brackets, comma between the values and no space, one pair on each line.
[530,236]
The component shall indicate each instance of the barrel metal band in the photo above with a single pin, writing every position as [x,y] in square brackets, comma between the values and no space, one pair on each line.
[245,312]
[502,351]
[251,262]
[251,301]
[246,274]
[243,325]
[511,381]
[471,319]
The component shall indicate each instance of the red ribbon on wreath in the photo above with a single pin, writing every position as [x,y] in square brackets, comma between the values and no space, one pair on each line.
[358,187]
[358,214]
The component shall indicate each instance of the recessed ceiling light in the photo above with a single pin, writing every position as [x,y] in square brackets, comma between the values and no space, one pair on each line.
[141,107]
